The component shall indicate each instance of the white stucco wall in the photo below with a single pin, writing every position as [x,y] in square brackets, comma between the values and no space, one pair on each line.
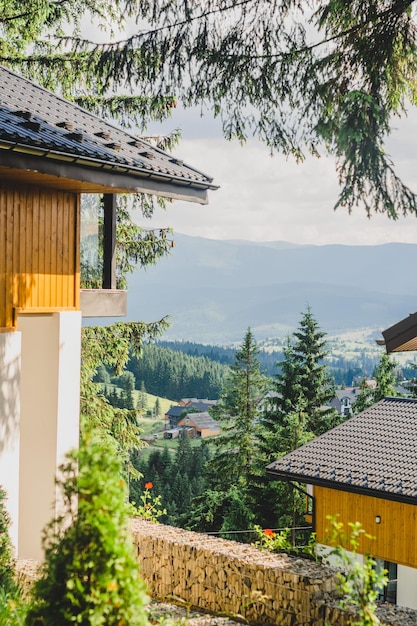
[50,396]
[406,578]
[407,587]
[333,560]
[10,363]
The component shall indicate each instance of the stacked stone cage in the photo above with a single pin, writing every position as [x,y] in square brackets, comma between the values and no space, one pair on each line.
[221,577]
[229,578]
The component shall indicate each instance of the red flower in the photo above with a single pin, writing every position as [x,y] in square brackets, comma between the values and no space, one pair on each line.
[269,533]
[148,485]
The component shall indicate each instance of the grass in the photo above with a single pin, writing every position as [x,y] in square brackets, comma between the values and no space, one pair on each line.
[164,403]
[149,426]
[172,445]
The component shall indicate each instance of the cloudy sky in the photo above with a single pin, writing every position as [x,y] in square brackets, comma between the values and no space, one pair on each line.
[264,198]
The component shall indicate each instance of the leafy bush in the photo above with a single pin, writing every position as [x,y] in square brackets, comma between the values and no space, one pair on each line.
[7,580]
[281,541]
[150,506]
[359,583]
[13,605]
[90,575]
[13,608]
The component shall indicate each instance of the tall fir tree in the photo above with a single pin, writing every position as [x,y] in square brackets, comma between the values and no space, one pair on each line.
[412,382]
[142,402]
[385,378]
[238,411]
[233,465]
[295,413]
[384,385]
[127,380]
[317,386]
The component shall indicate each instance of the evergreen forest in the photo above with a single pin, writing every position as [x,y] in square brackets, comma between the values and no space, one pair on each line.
[173,374]
[220,485]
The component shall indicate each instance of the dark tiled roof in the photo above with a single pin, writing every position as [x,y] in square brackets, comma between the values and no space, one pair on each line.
[201,405]
[35,122]
[373,452]
[401,337]
[175,411]
[348,392]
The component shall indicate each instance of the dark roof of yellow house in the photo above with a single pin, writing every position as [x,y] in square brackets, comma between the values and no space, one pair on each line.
[43,134]
[374,453]
[402,336]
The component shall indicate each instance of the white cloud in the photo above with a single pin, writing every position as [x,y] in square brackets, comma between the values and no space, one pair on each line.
[269,199]
[264,198]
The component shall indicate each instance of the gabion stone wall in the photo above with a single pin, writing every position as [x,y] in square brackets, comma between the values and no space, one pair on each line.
[227,577]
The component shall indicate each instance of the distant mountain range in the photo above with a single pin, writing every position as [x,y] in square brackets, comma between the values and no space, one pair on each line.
[215,289]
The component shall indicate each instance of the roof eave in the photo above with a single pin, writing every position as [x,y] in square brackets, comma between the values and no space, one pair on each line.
[109,176]
[402,336]
[321,482]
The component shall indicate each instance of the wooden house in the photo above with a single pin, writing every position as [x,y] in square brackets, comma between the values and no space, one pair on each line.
[365,470]
[173,415]
[52,151]
[201,424]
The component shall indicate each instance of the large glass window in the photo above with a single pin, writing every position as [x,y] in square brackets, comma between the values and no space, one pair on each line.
[91,249]
[389,592]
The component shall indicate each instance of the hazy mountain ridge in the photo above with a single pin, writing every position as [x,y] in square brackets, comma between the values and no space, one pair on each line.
[216,289]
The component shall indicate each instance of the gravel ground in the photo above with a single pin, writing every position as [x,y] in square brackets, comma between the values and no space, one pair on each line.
[173,612]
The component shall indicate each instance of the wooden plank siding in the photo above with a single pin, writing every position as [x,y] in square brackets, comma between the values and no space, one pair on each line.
[39,251]
[395,538]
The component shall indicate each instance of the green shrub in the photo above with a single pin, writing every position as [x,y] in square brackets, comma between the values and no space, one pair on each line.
[13,605]
[359,583]
[13,608]
[90,575]
[7,564]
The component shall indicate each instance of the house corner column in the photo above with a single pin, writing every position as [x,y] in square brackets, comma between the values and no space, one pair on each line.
[50,405]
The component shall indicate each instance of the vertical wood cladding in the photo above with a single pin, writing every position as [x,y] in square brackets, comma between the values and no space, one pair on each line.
[394,538]
[39,250]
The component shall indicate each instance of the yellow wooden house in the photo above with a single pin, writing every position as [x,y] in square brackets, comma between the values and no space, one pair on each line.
[365,470]
[52,151]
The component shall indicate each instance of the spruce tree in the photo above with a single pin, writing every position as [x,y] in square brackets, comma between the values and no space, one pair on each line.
[385,385]
[412,382]
[184,452]
[385,378]
[233,466]
[125,399]
[238,411]
[295,414]
[317,387]
[142,397]
[301,384]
